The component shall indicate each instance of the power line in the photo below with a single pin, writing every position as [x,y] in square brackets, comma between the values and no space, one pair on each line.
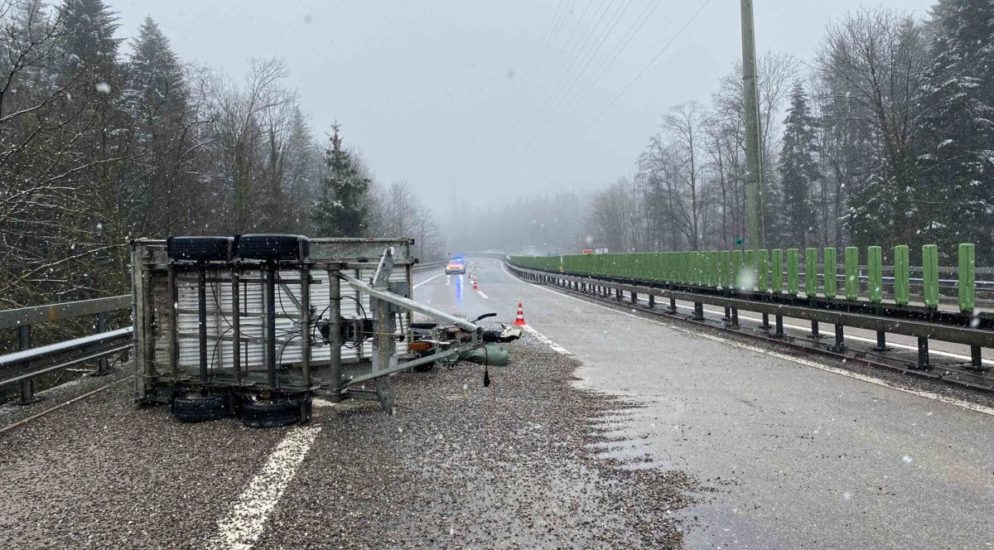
[561,92]
[627,87]
[553,35]
[545,38]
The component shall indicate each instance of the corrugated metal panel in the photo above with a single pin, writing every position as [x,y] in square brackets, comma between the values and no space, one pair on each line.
[289,347]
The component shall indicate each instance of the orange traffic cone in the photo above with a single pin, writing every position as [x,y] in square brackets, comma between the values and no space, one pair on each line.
[475,286]
[520,320]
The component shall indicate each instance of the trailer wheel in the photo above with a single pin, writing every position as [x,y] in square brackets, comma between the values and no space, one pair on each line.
[270,414]
[198,408]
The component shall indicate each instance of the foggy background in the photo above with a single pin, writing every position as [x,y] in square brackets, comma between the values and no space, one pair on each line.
[472,103]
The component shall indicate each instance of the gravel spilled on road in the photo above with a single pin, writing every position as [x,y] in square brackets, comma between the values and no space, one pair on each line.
[512,465]
[460,465]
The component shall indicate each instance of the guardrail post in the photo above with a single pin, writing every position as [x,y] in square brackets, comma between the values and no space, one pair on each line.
[831,277]
[672,305]
[902,275]
[635,297]
[793,282]
[967,278]
[810,272]
[776,268]
[930,276]
[652,301]
[923,352]
[815,330]
[751,278]
[976,359]
[103,365]
[881,341]
[698,311]
[766,322]
[763,263]
[27,386]
[874,261]
[778,319]
[852,272]
[840,338]
[736,275]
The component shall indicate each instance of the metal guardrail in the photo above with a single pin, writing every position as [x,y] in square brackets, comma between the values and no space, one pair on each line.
[25,365]
[922,322]
[778,270]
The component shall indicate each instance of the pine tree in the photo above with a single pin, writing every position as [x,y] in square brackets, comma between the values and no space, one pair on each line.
[958,163]
[342,210]
[156,101]
[799,166]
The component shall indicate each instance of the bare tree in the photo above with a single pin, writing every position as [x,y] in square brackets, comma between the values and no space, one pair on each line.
[873,64]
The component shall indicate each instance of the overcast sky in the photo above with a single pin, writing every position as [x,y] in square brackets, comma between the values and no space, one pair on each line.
[473,101]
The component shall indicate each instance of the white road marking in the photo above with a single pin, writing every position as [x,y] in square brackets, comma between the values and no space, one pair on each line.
[241,528]
[545,340]
[429,279]
[841,372]
[485,297]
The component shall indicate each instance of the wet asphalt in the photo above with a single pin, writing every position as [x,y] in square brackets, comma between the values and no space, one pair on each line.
[791,456]
[528,462]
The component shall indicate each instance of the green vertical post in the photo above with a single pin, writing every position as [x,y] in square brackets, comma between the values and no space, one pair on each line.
[902,275]
[750,269]
[930,276]
[852,272]
[831,272]
[715,269]
[763,264]
[967,277]
[793,275]
[810,272]
[736,269]
[776,267]
[875,271]
[723,269]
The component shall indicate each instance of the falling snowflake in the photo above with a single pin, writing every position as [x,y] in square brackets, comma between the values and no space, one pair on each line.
[103,88]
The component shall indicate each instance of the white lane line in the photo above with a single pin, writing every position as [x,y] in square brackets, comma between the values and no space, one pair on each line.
[485,297]
[841,372]
[241,528]
[429,279]
[545,340]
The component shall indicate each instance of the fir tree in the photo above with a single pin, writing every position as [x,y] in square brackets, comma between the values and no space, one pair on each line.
[341,211]
[799,166]
[958,161]
[155,99]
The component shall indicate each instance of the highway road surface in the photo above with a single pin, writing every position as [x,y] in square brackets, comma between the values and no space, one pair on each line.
[713,444]
[800,457]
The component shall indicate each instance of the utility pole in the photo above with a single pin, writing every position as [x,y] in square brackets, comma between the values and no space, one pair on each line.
[754,160]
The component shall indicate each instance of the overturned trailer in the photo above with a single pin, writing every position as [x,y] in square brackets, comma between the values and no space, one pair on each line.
[256,325]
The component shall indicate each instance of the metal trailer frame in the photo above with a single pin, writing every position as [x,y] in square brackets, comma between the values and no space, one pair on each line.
[163,361]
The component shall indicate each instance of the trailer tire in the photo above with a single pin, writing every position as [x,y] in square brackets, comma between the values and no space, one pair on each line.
[198,408]
[270,414]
